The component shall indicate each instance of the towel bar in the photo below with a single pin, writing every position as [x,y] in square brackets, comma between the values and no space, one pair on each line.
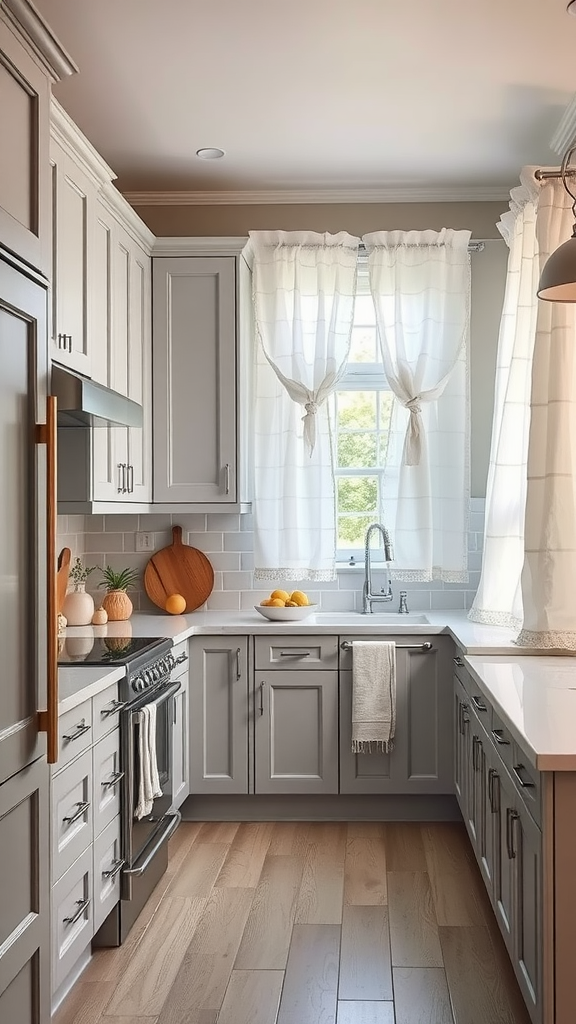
[346,645]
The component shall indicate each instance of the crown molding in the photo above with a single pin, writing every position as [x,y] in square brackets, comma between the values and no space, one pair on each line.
[40,38]
[68,135]
[198,246]
[433,194]
[120,209]
[565,135]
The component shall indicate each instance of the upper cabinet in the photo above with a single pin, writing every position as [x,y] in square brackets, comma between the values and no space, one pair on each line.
[195,378]
[30,59]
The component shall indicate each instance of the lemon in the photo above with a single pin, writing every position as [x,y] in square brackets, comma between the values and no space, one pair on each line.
[276,602]
[291,604]
[175,604]
[299,598]
[282,595]
[265,603]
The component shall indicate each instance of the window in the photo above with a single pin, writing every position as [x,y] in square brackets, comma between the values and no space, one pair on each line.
[362,410]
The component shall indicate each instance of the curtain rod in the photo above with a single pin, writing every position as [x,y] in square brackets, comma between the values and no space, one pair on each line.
[542,175]
[474,245]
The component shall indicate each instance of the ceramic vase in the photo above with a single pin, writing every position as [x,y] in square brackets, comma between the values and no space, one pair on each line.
[118,605]
[78,607]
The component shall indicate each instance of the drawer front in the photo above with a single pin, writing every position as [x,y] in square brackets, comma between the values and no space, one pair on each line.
[72,917]
[181,657]
[71,814]
[501,739]
[296,652]
[106,780]
[526,779]
[107,869]
[105,711]
[75,732]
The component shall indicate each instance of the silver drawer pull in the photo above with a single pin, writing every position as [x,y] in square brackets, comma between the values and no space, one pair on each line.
[82,808]
[525,783]
[479,704]
[498,735]
[459,662]
[238,669]
[117,866]
[181,658]
[113,780]
[112,708]
[82,908]
[262,698]
[80,729]
[295,654]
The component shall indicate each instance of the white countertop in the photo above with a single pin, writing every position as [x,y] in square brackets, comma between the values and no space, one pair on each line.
[77,683]
[536,698]
[471,637]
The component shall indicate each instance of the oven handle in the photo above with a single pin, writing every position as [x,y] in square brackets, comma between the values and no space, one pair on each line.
[164,696]
[173,822]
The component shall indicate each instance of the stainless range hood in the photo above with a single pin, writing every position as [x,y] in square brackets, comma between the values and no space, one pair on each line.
[83,403]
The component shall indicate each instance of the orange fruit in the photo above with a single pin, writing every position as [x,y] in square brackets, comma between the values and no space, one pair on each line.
[282,595]
[291,604]
[276,602]
[265,603]
[299,598]
[175,604]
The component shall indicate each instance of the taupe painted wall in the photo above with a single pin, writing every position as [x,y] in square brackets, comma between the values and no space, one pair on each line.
[488,269]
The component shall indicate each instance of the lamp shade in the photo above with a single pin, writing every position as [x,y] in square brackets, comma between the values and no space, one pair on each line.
[558,277]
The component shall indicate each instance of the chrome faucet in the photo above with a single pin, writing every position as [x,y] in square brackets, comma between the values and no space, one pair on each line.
[369,598]
[403,608]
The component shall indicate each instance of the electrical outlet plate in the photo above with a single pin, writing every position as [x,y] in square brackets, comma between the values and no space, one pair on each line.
[144,541]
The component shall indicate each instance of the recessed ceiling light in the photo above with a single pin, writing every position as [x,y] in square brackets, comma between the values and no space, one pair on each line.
[210,153]
[571,7]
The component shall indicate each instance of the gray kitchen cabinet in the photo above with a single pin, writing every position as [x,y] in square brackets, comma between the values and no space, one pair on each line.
[461,743]
[296,731]
[180,752]
[421,760]
[194,360]
[218,695]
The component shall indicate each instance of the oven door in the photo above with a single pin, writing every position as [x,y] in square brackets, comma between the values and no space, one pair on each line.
[138,834]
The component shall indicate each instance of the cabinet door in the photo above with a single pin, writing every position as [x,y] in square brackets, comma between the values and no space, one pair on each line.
[461,725]
[24,165]
[503,874]
[74,198]
[139,439]
[526,847]
[24,897]
[180,754]
[296,732]
[218,715]
[194,375]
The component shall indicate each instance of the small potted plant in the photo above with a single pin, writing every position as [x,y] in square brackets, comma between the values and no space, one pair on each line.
[116,602]
[78,607]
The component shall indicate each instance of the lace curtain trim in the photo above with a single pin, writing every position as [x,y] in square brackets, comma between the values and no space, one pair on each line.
[429,575]
[564,641]
[295,575]
[495,618]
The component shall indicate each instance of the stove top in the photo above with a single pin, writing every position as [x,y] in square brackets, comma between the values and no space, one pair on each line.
[111,650]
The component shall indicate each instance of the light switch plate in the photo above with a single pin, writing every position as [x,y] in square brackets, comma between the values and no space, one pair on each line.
[144,542]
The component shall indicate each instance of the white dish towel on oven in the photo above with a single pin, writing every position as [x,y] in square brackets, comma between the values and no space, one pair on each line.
[373,695]
[149,782]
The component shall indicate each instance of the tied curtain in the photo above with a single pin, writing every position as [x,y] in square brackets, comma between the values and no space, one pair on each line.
[498,600]
[303,286]
[420,284]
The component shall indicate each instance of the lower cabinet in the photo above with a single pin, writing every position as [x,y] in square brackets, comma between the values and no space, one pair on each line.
[218,695]
[180,752]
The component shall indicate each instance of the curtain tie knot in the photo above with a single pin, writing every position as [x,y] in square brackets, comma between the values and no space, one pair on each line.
[414,406]
[311,409]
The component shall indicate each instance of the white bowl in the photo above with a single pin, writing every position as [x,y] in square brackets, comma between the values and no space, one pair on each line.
[285,614]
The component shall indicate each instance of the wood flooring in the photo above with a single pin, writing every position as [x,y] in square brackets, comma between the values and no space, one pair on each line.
[308,923]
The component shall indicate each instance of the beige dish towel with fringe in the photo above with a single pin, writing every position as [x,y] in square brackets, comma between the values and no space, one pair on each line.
[373,695]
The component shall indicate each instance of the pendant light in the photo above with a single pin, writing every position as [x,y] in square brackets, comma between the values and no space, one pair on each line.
[558,277]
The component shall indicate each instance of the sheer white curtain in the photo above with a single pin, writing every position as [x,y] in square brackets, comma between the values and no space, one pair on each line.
[420,283]
[549,572]
[303,290]
[499,599]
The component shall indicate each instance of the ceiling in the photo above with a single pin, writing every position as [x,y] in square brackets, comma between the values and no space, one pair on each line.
[451,95]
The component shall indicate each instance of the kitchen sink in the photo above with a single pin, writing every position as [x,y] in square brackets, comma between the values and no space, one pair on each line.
[378,618]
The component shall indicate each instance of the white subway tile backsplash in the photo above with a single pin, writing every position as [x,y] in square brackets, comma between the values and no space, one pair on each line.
[225,601]
[237,581]
[191,522]
[238,542]
[104,542]
[337,601]
[207,542]
[121,524]
[225,522]
[226,561]
[444,599]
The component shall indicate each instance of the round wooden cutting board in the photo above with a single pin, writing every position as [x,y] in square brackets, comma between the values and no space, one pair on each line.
[179,569]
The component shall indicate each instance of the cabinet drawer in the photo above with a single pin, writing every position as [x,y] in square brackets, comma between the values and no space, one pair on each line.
[71,814]
[107,869]
[107,780]
[181,657]
[527,782]
[74,732]
[105,710]
[296,652]
[72,917]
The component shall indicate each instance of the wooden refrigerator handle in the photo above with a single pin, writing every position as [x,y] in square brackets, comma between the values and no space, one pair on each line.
[48,720]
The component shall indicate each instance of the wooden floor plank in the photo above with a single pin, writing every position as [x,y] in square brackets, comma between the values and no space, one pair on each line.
[245,857]
[455,880]
[85,1003]
[129,1020]
[481,992]
[447,846]
[421,996]
[217,831]
[404,846]
[199,871]
[252,997]
[321,889]
[205,971]
[311,980]
[365,967]
[289,838]
[266,939]
[145,985]
[365,871]
[413,928]
[365,1013]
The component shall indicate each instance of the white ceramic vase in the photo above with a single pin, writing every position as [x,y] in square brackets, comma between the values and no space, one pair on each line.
[78,607]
